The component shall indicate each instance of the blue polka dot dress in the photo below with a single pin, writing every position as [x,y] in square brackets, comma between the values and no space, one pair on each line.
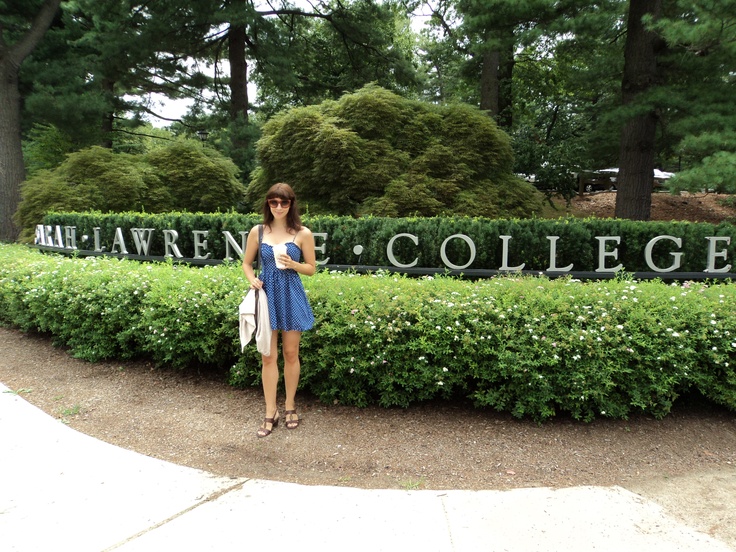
[288,306]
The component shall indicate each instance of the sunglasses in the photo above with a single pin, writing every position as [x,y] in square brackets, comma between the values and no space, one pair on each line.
[279,203]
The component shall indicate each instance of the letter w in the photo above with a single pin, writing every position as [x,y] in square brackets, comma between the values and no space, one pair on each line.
[142,238]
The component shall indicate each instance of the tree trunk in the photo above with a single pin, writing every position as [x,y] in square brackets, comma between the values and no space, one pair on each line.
[12,169]
[108,119]
[495,82]
[490,87]
[506,73]
[238,73]
[637,148]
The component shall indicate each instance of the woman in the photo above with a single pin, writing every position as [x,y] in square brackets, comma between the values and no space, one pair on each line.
[288,307]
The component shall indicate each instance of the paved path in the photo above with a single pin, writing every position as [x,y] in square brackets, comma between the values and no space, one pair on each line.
[62,490]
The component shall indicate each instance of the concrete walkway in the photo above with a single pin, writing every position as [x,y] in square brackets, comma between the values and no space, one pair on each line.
[61,490]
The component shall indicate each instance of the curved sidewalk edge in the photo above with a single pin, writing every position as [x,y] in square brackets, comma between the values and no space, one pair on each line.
[63,490]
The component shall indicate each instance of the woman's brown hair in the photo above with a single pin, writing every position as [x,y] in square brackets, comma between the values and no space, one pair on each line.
[282,191]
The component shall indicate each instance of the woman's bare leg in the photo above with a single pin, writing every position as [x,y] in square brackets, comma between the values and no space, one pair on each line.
[292,368]
[270,376]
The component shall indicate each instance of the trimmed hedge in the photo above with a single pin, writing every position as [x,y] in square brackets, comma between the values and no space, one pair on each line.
[577,244]
[530,346]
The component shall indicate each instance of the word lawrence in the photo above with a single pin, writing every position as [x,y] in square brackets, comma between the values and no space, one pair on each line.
[64,238]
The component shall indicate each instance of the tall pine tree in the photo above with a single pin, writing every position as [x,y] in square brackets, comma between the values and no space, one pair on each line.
[21,29]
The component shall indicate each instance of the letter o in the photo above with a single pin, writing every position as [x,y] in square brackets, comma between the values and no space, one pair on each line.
[447,262]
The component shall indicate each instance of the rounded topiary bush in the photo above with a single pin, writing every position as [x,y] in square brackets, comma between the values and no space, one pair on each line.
[181,176]
[374,152]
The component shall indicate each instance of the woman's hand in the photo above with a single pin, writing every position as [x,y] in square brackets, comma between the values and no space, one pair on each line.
[286,261]
[256,284]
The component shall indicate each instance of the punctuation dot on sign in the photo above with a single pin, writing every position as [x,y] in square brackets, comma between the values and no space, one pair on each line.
[358,249]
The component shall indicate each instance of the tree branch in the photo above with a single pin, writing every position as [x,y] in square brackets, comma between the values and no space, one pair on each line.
[30,39]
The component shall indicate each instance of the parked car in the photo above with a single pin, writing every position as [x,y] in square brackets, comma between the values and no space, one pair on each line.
[660,177]
[605,179]
[597,181]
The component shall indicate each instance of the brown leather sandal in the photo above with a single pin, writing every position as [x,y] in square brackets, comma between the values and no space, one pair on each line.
[264,431]
[292,424]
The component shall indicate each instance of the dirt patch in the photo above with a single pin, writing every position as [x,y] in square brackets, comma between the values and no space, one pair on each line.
[686,462]
[665,207]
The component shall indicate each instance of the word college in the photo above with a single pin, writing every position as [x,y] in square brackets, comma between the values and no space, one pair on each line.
[64,238]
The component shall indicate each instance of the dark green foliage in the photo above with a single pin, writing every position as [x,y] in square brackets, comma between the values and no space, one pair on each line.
[306,60]
[373,152]
[699,94]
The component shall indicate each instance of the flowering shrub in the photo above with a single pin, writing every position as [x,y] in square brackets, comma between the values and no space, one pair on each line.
[530,346]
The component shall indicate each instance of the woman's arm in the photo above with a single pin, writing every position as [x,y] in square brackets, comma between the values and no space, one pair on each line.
[305,241]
